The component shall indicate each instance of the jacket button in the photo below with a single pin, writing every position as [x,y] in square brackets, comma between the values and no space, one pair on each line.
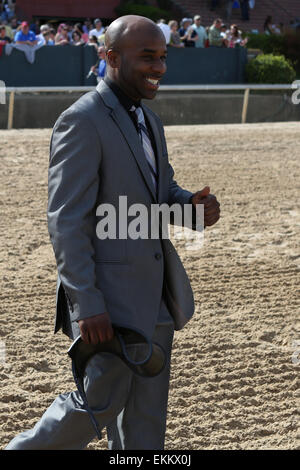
[157,256]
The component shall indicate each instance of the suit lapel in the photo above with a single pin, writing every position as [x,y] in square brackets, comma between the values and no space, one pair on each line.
[126,126]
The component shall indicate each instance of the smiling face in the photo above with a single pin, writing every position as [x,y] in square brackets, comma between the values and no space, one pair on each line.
[138,62]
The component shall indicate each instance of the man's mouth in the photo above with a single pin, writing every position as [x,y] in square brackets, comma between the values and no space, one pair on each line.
[153,81]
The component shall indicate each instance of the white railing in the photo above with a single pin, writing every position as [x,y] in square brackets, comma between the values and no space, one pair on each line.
[244,87]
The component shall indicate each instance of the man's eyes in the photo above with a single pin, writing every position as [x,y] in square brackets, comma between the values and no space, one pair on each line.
[150,58]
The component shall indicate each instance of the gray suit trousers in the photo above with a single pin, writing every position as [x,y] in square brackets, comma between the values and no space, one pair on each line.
[133,409]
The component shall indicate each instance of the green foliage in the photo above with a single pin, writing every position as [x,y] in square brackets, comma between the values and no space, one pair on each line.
[140,8]
[270,68]
[287,44]
[268,44]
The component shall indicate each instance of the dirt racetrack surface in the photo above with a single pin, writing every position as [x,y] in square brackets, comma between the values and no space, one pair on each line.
[235,365]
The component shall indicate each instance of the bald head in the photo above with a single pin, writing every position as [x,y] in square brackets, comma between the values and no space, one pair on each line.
[129,27]
[135,56]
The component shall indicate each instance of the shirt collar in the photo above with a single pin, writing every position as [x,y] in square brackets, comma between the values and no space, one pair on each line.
[124,99]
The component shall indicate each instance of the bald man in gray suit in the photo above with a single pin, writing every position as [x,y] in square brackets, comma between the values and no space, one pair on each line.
[101,149]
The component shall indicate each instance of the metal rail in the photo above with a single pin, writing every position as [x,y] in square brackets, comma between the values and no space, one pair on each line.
[243,87]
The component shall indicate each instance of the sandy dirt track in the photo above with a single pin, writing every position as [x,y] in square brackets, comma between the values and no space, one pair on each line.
[235,365]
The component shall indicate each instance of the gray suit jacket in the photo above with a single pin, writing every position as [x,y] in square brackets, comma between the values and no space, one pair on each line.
[96,156]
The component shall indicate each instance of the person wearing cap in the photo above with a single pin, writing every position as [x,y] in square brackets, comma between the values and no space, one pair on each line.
[44,29]
[200,31]
[98,30]
[25,36]
[187,35]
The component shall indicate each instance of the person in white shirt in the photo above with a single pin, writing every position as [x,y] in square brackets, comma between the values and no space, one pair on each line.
[45,28]
[98,30]
[165,29]
[200,31]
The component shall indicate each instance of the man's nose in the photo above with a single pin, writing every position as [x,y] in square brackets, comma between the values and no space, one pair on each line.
[159,66]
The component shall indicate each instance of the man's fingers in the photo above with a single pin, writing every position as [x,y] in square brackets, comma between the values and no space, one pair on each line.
[207,201]
[211,211]
[211,220]
[204,192]
[84,333]
[199,196]
[96,329]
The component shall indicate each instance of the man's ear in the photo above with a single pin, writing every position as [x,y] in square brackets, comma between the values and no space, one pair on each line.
[113,58]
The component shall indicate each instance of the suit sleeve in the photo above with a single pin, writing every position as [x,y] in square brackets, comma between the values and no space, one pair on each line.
[177,195]
[73,184]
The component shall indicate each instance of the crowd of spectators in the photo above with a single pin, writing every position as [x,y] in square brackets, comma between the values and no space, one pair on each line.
[189,33]
[17,32]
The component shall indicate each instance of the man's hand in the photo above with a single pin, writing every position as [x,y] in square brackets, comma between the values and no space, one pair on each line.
[211,205]
[96,329]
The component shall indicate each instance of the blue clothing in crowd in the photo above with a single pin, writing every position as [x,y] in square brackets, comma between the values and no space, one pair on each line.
[102,68]
[25,37]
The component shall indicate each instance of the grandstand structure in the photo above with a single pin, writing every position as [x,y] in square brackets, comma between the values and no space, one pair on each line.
[61,9]
[282,11]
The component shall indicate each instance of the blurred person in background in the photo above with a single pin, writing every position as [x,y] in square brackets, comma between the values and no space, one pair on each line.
[269,27]
[79,29]
[224,31]
[229,8]
[52,34]
[35,26]
[45,28]
[4,39]
[187,35]
[7,10]
[175,40]
[25,35]
[234,37]
[49,40]
[244,5]
[76,39]
[93,42]
[99,69]
[70,31]
[8,31]
[12,28]
[101,39]
[87,26]
[62,37]
[165,28]
[214,34]
[200,32]
[98,30]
